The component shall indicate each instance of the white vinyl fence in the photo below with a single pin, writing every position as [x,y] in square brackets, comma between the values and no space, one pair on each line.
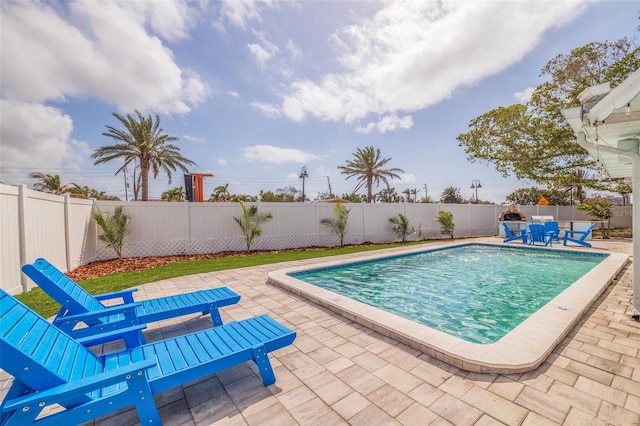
[34,224]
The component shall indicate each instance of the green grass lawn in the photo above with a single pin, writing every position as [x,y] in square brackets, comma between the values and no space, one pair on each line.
[45,306]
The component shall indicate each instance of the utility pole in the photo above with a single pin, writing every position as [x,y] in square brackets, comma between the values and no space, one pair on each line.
[303,176]
[329,183]
[426,193]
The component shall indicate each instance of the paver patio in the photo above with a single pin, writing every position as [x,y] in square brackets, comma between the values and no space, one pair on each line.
[339,372]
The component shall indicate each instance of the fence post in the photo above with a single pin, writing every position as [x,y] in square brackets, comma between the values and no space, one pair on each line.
[22,233]
[67,232]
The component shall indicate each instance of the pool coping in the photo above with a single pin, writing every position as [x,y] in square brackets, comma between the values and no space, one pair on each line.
[522,349]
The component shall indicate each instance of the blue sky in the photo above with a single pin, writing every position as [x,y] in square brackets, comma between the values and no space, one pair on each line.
[255,90]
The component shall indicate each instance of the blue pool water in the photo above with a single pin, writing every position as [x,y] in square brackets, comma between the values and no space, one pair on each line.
[475,292]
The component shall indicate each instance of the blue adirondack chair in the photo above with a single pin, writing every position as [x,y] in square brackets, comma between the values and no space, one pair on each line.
[514,234]
[538,235]
[50,367]
[570,235]
[79,307]
[552,228]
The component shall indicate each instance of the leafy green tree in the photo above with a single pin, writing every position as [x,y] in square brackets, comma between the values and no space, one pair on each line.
[114,228]
[600,209]
[451,195]
[368,167]
[245,198]
[174,194]
[48,183]
[354,198]
[250,222]
[402,227]
[339,222]
[534,141]
[445,217]
[531,196]
[143,140]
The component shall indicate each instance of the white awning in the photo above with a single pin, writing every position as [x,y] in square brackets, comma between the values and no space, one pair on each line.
[607,125]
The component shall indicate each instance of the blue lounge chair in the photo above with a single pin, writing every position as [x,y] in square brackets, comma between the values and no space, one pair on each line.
[537,235]
[50,367]
[570,235]
[552,228]
[514,234]
[81,308]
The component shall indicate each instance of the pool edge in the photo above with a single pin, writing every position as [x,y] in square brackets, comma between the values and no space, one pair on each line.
[523,349]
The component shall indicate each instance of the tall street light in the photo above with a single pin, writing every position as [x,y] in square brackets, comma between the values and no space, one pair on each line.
[303,176]
[475,184]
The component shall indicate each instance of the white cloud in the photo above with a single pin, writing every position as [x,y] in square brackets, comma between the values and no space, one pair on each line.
[240,13]
[259,53]
[97,49]
[193,139]
[524,96]
[171,20]
[411,55]
[275,155]
[38,137]
[388,123]
[294,50]
[222,162]
[406,178]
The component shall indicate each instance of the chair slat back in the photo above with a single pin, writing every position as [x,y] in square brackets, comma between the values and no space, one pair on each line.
[61,288]
[36,352]
[537,232]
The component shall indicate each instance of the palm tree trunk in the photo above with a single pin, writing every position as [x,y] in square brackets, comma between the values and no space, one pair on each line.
[144,178]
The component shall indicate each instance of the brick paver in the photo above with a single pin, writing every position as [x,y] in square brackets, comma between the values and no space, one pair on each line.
[339,372]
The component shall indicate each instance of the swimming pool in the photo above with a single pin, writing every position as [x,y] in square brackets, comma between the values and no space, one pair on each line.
[476,292]
[521,349]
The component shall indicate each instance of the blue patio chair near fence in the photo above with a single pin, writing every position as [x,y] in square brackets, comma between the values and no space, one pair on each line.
[537,235]
[552,228]
[79,307]
[51,368]
[514,234]
[577,237]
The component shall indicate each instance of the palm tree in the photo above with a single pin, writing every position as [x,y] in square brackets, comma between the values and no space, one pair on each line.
[414,192]
[451,195]
[250,222]
[174,194]
[143,140]
[402,227]
[48,183]
[220,193]
[114,228]
[388,195]
[407,192]
[368,167]
[339,222]
[79,191]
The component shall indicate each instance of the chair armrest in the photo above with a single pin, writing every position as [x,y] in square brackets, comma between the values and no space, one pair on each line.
[109,336]
[125,309]
[569,231]
[125,295]
[71,390]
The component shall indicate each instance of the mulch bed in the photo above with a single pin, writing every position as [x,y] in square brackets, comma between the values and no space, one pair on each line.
[129,264]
